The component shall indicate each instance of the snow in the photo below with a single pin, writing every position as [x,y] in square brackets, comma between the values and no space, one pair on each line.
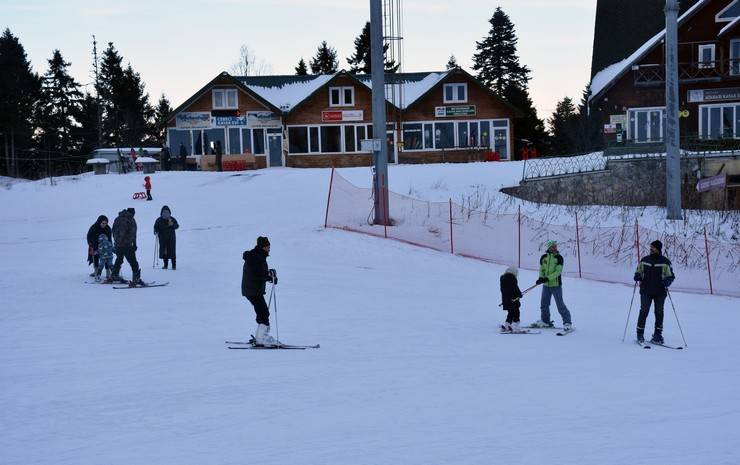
[145,160]
[409,91]
[287,96]
[410,370]
[97,161]
[728,27]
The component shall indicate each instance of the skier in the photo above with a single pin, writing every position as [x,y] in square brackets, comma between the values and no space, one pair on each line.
[655,275]
[510,295]
[99,227]
[105,254]
[551,268]
[124,237]
[148,187]
[164,229]
[254,276]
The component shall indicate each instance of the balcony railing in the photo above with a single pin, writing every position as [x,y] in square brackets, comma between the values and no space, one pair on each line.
[654,74]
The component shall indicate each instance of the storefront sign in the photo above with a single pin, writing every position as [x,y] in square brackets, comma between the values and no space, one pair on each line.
[337,116]
[458,110]
[610,129]
[193,120]
[263,119]
[617,119]
[714,95]
[230,120]
[712,183]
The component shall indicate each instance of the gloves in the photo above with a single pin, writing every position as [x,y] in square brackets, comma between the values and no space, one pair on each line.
[273,276]
[638,277]
[667,282]
[541,280]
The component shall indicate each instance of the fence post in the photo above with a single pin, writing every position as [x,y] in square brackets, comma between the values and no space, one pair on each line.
[328,197]
[637,240]
[578,247]
[452,244]
[709,271]
[519,236]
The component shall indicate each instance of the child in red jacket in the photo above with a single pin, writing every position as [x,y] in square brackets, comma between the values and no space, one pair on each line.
[148,187]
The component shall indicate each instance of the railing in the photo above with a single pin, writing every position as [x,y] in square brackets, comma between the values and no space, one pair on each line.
[654,74]
[691,145]
[558,166]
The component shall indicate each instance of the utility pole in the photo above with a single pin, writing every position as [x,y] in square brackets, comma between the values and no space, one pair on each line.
[672,132]
[97,93]
[380,151]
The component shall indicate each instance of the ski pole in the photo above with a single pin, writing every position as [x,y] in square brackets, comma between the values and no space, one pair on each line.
[156,246]
[630,312]
[676,315]
[523,292]
[277,329]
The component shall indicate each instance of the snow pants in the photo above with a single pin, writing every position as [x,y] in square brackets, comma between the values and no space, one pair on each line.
[260,308]
[129,253]
[513,315]
[547,293]
[658,301]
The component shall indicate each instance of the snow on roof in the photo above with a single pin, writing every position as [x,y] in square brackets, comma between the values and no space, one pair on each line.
[606,76]
[290,94]
[145,160]
[408,90]
[728,27]
[97,161]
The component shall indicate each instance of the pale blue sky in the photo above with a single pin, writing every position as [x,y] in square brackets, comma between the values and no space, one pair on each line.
[178,46]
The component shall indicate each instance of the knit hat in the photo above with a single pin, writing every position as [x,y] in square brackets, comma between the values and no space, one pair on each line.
[549,244]
[512,270]
[165,208]
[658,245]
[263,241]
[131,210]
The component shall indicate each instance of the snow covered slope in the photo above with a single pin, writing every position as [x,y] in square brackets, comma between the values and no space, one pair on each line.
[411,369]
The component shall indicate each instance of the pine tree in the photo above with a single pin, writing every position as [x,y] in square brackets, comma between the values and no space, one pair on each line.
[158,130]
[19,91]
[360,61]
[111,75]
[564,128]
[529,127]
[134,109]
[451,63]
[325,61]
[301,69]
[57,107]
[589,125]
[86,133]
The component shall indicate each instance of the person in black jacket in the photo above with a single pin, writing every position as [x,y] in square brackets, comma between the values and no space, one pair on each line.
[255,275]
[124,238]
[510,295]
[98,228]
[164,228]
[655,275]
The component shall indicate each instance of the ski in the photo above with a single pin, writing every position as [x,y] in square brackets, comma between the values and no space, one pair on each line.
[667,346]
[151,284]
[565,332]
[533,326]
[642,344]
[252,345]
[521,331]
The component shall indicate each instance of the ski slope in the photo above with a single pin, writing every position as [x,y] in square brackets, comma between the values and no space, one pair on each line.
[411,369]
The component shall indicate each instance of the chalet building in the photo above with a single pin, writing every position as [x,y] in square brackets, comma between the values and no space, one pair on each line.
[320,120]
[630,93]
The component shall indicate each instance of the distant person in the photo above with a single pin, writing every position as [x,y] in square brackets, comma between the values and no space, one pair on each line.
[124,245]
[122,161]
[164,158]
[510,295]
[99,227]
[255,275]
[551,270]
[219,156]
[655,275]
[148,187]
[164,228]
[183,156]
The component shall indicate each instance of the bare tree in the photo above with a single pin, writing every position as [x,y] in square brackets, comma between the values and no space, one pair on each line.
[248,65]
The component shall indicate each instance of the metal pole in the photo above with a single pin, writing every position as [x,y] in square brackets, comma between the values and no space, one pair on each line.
[672,131]
[709,268]
[328,197]
[578,247]
[630,312]
[380,157]
[452,243]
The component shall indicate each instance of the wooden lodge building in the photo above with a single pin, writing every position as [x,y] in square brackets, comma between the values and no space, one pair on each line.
[319,120]
[630,93]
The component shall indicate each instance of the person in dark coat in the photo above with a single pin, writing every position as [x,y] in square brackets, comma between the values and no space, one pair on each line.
[124,245]
[99,227]
[183,156]
[510,295]
[164,228]
[655,275]
[219,156]
[164,158]
[255,275]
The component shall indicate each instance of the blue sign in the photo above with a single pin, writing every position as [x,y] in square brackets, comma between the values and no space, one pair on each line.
[230,120]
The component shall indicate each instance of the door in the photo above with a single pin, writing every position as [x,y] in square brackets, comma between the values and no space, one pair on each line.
[275,148]
[392,146]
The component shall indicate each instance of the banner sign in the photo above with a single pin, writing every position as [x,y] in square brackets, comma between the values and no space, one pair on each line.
[617,119]
[610,129]
[458,110]
[193,120]
[712,183]
[714,95]
[342,115]
[230,120]
[263,119]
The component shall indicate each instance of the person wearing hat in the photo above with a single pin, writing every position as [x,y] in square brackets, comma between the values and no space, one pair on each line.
[164,229]
[124,244]
[655,275]
[510,295]
[551,269]
[255,275]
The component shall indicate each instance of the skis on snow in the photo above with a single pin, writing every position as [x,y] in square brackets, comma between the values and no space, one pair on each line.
[646,345]
[252,344]
[140,286]
[565,332]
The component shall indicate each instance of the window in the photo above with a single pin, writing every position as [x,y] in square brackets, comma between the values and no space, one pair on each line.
[224,99]
[646,124]
[444,135]
[706,56]
[341,96]
[719,121]
[331,139]
[485,134]
[298,139]
[360,137]
[735,57]
[259,141]
[349,138]
[455,93]
[462,134]
[428,140]
[313,138]
[412,137]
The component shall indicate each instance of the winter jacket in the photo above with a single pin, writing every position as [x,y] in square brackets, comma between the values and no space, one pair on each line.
[551,267]
[105,248]
[147,184]
[255,272]
[510,291]
[165,228]
[124,230]
[95,231]
[655,274]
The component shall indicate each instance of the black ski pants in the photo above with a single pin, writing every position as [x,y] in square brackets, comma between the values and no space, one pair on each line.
[658,301]
[513,315]
[129,253]
[260,308]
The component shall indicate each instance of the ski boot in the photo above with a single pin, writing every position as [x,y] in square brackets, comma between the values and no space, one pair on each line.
[640,335]
[658,336]
[515,327]
[97,274]
[174,264]
[542,324]
[263,338]
[506,327]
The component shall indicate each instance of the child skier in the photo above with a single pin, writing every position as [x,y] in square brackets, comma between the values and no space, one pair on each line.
[105,258]
[148,187]
[510,295]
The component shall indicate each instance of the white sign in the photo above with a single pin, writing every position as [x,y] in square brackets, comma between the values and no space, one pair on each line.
[263,119]
[617,119]
[371,145]
[193,120]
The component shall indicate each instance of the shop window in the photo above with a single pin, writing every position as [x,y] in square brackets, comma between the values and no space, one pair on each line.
[298,139]
[349,139]
[313,137]
[444,135]
[258,142]
[462,134]
[247,140]
[474,134]
[428,136]
[412,139]
[485,134]
[331,139]
[235,145]
[341,96]
[455,93]
[646,125]
[225,99]
[360,137]
[735,57]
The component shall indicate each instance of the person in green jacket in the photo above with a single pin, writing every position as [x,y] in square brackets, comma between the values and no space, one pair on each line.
[551,268]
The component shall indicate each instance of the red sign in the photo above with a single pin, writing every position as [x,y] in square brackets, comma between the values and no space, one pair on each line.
[341,115]
[331,116]
[711,183]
